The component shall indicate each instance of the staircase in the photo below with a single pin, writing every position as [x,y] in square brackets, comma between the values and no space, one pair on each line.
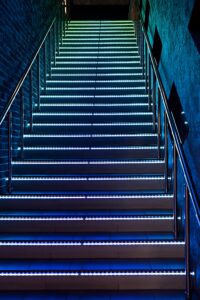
[88,215]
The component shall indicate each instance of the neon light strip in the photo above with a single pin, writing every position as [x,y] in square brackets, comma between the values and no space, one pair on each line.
[109,162]
[84,218]
[98,75]
[98,57]
[97,53]
[97,178]
[97,81]
[95,97]
[98,63]
[98,136]
[90,274]
[94,88]
[107,243]
[92,124]
[118,196]
[96,114]
[97,68]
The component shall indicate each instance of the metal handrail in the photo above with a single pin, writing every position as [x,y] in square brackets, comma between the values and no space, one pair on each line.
[26,72]
[174,130]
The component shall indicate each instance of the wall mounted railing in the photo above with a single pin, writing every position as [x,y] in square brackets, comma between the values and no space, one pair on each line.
[29,87]
[168,135]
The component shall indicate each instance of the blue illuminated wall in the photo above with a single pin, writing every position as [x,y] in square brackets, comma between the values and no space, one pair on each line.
[180,64]
[22,24]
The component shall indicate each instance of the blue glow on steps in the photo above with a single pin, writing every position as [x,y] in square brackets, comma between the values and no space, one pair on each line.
[95,114]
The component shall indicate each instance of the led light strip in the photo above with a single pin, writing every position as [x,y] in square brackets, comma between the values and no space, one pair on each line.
[97,68]
[98,57]
[107,196]
[96,97]
[97,136]
[128,218]
[90,243]
[96,178]
[98,81]
[96,63]
[90,274]
[64,88]
[96,52]
[104,162]
[98,75]
[95,114]
[92,124]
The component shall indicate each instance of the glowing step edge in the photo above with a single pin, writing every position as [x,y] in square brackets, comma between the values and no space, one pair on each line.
[107,196]
[96,68]
[95,114]
[96,62]
[96,178]
[152,218]
[90,274]
[144,162]
[92,124]
[96,196]
[96,136]
[130,88]
[114,243]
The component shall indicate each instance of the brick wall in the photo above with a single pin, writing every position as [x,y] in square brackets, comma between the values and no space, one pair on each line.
[22,23]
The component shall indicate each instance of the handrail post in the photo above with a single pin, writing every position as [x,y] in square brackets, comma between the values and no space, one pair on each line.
[146,76]
[149,86]
[159,122]
[54,43]
[31,99]
[166,152]
[22,121]
[175,192]
[187,241]
[38,82]
[9,152]
[50,54]
[154,102]
[44,67]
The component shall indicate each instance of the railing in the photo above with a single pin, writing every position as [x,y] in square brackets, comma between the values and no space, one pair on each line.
[29,87]
[158,103]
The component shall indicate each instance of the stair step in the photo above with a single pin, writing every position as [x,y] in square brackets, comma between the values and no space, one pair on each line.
[95,83]
[88,202]
[88,107]
[98,76]
[91,250]
[92,117]
[88,167]
[89,183]
[52,152]
[93,128]
[78,224]
[99,280]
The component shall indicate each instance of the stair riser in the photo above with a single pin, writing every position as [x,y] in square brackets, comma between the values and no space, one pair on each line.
[88,109]
[102,71]
[92,252]
[91,118]
[92,129]
[160,226]
[134,101]
[91,185]
[92,91]
[28,169]
[90,154]
[44,283]
[156,204]
[90,76]
[92,84]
